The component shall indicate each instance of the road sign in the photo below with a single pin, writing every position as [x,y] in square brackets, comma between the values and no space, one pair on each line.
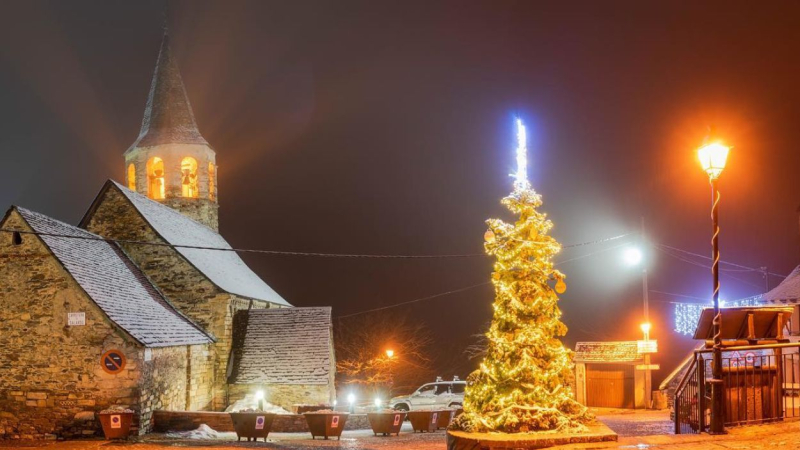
[113,361]
[76,319]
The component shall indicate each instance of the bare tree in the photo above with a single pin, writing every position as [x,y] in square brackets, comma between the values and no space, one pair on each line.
[362,343]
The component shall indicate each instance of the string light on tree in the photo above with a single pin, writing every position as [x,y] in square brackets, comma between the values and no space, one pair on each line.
[523,383]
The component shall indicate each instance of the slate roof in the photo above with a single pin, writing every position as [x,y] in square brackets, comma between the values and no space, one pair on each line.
[607,352]
[168,116]
[116,285]
[224,268]
[282,346]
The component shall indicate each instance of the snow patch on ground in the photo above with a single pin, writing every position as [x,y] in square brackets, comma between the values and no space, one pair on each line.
[202,432]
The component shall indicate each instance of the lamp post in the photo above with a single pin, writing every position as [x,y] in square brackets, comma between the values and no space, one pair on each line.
[713,155]
[633,257]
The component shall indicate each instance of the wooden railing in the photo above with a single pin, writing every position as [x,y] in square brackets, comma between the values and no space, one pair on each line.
[761,383]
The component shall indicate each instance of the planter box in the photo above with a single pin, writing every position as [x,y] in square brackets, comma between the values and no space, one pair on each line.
[445,417]
[423,421]
[325,424]
[386,423]
[252,425]
[116,425]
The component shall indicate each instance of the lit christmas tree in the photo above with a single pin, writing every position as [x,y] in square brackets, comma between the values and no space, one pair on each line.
[523,383]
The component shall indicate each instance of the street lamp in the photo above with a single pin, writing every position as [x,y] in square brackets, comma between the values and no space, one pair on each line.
[351,399]
[389,353]
[713,156]
[260,399]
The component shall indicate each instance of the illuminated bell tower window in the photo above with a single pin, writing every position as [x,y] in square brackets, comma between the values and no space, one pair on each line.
[189,177]
[212,182]
[132,177]
[155,178]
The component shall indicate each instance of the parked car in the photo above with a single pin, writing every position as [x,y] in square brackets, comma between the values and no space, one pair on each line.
[440,394]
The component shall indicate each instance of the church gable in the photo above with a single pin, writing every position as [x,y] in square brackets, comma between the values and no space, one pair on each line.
[113,283]
[225,269]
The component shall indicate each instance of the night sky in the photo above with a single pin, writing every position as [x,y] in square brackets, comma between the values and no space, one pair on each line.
[387,128]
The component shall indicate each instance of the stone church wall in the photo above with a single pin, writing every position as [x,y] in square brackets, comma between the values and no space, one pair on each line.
[284,395]
[185,287]
[175,378]
[51,379]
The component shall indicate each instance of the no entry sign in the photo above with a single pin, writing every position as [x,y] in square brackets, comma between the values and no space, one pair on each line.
[113,361]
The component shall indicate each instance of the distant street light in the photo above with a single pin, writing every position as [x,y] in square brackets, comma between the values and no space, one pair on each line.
[713,156]
[351,399]
[260,399]
[389,353]
[633,256]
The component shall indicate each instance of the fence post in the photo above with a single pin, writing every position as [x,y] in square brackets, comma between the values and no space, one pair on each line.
[701,393]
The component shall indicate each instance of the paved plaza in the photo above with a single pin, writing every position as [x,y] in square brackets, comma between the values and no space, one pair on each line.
[638,430]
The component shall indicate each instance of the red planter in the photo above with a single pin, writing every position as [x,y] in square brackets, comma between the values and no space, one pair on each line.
[326,424]
[116,425]
[252,425]
[423,421]
[386,423]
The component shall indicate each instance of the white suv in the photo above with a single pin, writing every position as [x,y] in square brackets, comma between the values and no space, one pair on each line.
[441,394]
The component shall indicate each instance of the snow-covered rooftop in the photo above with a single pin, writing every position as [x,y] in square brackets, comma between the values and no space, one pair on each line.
[224,268]
[788,291]
[282,346]
[607,352]
[116,285]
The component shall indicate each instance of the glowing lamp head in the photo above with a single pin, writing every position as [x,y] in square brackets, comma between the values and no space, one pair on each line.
[259,395]
[633,256]
[389,353]
[713,157]
[645,328]
[377,402]
[351,398]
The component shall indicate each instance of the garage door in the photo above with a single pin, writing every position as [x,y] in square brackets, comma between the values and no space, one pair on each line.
[609,385]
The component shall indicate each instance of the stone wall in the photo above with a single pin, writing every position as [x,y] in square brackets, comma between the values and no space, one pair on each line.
[284,395]
[51,379]
[185,287]
[175,378]
[166,421]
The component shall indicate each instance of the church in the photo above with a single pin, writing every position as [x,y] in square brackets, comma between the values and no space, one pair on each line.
[144,305]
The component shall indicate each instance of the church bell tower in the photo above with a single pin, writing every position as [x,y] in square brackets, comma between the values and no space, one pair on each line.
[170,161]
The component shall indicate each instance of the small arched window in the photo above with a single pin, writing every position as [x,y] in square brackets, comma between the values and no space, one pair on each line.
[131,177]
[189,177]
[155,178]
[212,181]
[16,238]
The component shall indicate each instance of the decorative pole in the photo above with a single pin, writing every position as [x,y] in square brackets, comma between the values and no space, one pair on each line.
[713,157]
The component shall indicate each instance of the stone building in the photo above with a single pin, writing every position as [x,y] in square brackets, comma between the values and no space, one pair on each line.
[137,305]
[607,374]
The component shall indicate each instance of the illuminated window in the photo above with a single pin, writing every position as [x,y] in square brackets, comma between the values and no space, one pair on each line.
[212,182]
[155,178]
[132,177]
[189,177]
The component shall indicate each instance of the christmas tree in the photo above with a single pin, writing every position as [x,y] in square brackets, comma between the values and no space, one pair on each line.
[523,383]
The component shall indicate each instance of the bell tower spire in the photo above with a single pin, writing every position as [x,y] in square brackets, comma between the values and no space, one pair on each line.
[170,161]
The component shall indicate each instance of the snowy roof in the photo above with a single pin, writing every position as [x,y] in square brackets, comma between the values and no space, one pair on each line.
[223,268]
[607,352]
[168,116]
[788,291]
[282,346]
[116,285]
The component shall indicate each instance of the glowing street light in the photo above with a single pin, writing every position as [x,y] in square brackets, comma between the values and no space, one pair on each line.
[351,399]
[713,155]
[632,256]
[646,330]
[377,402]
[260,399]
[389,353]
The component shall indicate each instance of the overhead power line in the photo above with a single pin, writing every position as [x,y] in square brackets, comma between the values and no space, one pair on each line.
[280,252]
